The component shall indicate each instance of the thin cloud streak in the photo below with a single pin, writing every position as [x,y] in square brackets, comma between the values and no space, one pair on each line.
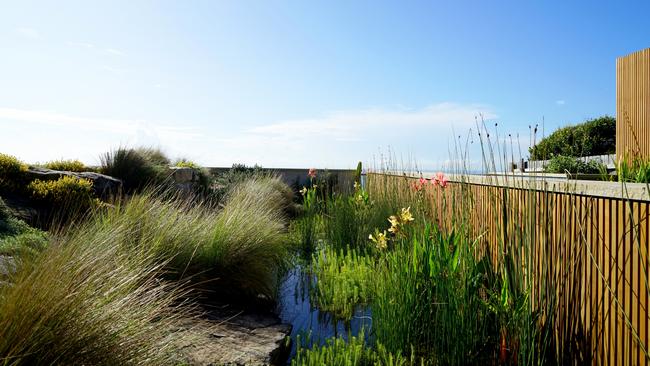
[28,32]
[117,126]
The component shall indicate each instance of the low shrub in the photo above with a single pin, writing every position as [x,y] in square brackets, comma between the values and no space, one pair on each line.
[564,164]
[69,193]
[344,281]
[137,168]
[86,301]
[16,237]
[12,171]
[66,165]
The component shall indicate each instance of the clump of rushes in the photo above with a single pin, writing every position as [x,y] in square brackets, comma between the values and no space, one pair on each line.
[66,165]
[338,352]
[87,300]
[633,170]
[137,168]
[344,281]
[307,224]
[348,218]
[240,247]
[11,173]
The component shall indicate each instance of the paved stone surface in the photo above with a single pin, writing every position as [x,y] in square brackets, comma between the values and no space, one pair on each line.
[243,340]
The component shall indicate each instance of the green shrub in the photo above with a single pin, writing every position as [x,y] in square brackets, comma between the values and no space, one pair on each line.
[12,171]
[344,281]
[338,352]
[70,193]
[16,237]
[563,164]
[67,165]
[137,168]
[86,301]
[592,137]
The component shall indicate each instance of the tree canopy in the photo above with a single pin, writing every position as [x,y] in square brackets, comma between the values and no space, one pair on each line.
[592,137]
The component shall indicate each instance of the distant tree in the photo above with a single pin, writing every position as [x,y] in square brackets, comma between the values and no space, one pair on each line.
[592,137]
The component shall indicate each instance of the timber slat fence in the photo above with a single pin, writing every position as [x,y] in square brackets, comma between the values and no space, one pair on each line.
[590,251]
[633,105]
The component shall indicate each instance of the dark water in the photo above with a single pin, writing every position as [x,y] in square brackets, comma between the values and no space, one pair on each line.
[295,309]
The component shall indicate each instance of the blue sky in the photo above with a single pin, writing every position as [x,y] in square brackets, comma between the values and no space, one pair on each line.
[301,83]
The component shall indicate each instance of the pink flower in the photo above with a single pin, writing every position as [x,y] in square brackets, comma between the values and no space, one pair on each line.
[422,181]
[441,179]
[312,173]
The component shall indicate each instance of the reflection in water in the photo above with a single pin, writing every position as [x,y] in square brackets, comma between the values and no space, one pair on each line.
[295,309]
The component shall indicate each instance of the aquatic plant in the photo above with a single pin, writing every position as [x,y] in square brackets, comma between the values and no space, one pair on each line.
[343,281]
[339,352]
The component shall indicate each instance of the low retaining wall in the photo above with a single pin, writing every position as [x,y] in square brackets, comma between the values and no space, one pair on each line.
[298,177]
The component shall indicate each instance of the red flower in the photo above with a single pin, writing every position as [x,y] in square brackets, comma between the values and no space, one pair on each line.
[312,173]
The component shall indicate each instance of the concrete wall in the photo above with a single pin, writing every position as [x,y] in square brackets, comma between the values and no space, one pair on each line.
[292,176]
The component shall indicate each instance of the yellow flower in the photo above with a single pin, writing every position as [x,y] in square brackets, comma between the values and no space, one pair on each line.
[356,185]
[394,220]
[379,239]
[303,191]
[406,215]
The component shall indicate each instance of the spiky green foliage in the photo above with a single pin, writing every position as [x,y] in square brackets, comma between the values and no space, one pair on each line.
[354,352]
[344,280]
[633,170]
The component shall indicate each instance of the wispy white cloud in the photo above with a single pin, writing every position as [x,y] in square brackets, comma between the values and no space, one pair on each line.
[28,32]
[113,51]
[117,126]
[114,70]
[85,45]
[352,125]
[560,102]
[93,47]
[339,138]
